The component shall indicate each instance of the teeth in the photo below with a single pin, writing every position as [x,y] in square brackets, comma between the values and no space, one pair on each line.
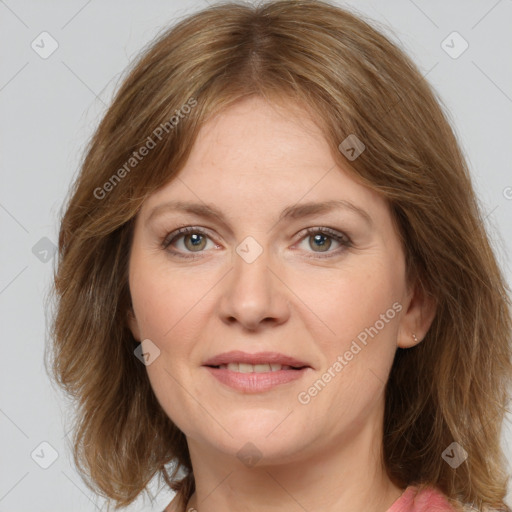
[245,368]
[254,368]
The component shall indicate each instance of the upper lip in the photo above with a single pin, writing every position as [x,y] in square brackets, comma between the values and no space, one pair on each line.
[237,356]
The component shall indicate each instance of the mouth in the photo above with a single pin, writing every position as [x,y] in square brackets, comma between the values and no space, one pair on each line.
[256,368]
[255,373]
[258,362]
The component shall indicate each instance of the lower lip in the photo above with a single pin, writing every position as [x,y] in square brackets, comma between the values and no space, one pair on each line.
[255,382]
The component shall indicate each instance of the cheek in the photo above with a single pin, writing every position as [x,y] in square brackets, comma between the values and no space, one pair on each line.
[169,308]
[345,302]
[163,300]
[361,308]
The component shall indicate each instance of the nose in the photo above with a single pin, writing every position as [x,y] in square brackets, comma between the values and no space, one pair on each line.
[254,294]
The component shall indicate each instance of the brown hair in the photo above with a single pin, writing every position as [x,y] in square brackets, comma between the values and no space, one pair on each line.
[453,386]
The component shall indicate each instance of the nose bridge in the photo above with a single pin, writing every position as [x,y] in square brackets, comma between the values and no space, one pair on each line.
[253,293]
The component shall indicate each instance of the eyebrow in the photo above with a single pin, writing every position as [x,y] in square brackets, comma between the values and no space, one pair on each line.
[296,211]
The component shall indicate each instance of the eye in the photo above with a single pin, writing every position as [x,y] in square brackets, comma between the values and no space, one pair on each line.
[322,239]
[194,240]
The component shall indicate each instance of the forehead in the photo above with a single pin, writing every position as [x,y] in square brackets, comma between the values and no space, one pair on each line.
[256,154]
[256,134]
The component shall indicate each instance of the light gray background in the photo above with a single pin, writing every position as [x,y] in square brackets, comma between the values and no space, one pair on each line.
[49,109]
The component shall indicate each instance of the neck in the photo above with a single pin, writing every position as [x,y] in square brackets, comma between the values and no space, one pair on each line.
[345,475]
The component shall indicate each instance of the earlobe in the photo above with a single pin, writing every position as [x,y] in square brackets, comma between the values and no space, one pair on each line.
[417,319]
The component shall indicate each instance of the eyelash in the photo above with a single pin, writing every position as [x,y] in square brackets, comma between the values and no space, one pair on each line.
[341,238]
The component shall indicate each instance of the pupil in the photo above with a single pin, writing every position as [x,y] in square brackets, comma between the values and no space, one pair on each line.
[194,241]
[321,239]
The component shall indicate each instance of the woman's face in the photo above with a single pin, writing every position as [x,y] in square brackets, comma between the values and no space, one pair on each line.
[251,279]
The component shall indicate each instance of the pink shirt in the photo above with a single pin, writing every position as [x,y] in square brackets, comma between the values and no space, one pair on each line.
[427,500]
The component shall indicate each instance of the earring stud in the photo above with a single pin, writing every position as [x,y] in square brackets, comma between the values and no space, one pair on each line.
[415,338]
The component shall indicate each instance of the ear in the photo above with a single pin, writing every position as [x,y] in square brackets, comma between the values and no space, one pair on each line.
[419,314]
[133,324]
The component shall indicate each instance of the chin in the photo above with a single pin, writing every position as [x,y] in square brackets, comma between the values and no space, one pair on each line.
[264,440]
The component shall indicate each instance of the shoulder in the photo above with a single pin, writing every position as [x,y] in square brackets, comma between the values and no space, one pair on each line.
[423,499]
[431,498]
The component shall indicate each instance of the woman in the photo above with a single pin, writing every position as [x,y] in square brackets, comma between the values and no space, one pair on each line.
[341,337]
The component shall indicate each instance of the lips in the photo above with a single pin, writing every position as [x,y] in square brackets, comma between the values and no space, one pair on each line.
[255,373]
[257,361]
[254,368]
